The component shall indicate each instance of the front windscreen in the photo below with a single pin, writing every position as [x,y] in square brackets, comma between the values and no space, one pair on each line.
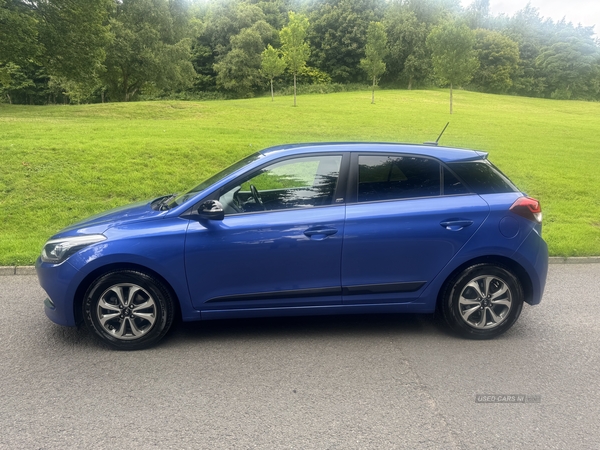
[182,198]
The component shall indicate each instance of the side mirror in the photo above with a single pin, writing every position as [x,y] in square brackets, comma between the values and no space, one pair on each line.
[211,210]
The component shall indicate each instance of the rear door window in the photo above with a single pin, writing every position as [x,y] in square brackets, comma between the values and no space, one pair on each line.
[452,185]
[386,177]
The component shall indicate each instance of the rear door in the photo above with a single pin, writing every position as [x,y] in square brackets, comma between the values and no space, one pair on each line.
[407,217]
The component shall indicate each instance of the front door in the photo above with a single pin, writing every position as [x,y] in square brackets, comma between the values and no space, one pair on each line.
[279,244]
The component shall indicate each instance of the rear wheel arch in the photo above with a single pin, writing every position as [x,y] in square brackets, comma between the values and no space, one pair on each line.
[501,261]
[481,302]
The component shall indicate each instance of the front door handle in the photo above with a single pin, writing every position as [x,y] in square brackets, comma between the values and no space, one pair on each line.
[456,224]
[319,233]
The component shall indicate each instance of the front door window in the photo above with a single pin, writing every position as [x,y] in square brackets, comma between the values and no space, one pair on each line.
[293,183]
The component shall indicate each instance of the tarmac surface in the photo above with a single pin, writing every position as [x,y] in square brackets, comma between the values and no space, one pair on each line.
[370,382]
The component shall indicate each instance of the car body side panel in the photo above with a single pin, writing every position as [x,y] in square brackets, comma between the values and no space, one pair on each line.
[265,259]
[156,245]
[404,241]
[322,310]
[491,242]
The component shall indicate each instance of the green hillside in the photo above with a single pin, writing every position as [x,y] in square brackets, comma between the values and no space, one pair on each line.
[60,164]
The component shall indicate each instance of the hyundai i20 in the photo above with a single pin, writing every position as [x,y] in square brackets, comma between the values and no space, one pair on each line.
[309,229]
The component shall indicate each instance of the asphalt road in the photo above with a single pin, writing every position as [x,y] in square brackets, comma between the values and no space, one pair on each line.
[378,382]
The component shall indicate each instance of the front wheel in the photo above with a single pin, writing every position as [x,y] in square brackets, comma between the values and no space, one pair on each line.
[128,310]
[482,302]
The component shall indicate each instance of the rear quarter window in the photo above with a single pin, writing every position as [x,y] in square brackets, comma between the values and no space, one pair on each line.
[482,177]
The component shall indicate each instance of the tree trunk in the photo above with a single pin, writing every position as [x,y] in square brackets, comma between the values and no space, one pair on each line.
[9,99]
[126,87]
[373,92]
[450,98]
[410,82]
[294,88]
[102,95]
[272,96]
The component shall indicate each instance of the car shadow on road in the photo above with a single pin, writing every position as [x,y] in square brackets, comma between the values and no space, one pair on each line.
[259,329]
[312,327]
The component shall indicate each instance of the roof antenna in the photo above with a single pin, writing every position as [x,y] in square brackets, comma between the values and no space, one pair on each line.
[439,137]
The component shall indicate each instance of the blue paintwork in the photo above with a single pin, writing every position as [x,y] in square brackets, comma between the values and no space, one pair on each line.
[265,252]
[328,247]
[403,240]
[445,154]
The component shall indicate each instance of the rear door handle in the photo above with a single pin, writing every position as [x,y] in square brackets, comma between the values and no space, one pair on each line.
[320,233]
[456,224]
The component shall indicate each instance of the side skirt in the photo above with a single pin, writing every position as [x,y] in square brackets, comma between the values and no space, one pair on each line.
[422,308]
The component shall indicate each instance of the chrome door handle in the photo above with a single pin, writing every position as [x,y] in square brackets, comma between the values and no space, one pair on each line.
[319,233]
[456,225]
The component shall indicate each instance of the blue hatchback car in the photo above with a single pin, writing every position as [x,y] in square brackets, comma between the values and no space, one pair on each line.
[307,229]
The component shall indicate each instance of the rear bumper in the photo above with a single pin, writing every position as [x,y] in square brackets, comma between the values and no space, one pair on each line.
[533,257]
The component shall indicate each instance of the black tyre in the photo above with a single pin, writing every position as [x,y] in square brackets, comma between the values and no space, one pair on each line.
[482,302]
[128,310]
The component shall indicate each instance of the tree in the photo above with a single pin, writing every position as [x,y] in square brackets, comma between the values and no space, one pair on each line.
[18,33]
[220,22]
[409,59]
[239,70]
[571,66]
[431,12]
[339,34]
[478,13]
[293,43]
[498,57]
[12,78]
[375,51]
[453,57]
[57,38]
[75,34]
[531,33]
[272,65]
[145,50]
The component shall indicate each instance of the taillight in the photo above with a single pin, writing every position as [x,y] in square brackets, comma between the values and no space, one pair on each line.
[529,208]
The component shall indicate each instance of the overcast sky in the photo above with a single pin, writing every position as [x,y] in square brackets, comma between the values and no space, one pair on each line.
[586,12]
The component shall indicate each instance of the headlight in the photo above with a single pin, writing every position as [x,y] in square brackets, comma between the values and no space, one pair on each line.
[57,250]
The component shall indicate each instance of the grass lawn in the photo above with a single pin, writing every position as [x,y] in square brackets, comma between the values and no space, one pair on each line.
[60,164]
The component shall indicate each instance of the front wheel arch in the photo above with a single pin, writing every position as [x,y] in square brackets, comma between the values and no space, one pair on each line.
[101,271]
[128,310]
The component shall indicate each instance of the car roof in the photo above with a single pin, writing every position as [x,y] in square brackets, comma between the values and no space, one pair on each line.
[446,154]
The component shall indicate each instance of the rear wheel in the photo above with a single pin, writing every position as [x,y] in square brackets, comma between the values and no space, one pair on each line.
[482,302]
[128,310]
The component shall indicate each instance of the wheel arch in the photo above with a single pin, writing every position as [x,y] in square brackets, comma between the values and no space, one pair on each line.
[103,270]
[510,264]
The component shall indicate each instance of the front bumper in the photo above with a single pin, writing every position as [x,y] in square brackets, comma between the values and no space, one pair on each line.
[58,282]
